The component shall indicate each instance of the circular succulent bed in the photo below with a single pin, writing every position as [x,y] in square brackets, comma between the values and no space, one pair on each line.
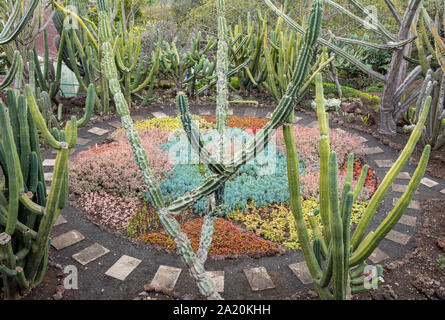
[108,186]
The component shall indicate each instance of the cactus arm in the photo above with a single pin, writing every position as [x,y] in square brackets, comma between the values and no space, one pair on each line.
[326,43]
[390,177]
[52,205]
[314,74]
[80,21]
[382,30]
[336,225]
[295,203]
[4,39]
[38,70]
[13,70]
[122,108]
[324,149]
[26,201]
[392,45]
[364,251]
[360,182]
[327,272]
[153,71]
[346,217]
[394,11]
[40,122]
[14,173]
[89,106]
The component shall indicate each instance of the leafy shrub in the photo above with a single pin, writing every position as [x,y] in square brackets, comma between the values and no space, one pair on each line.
[234,82]
[348,92]
[241,122]
[228,240]
[107,209]
[276,222]
[111,168]
[329,104]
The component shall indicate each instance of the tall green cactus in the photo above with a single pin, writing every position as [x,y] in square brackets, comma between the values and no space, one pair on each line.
[221,170]
[343,271]
[185,67]
[80,51]
[14,25]
[133,68]
[27,214]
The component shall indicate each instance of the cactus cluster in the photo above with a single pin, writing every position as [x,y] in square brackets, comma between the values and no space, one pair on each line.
[27,212]
[222,170]
[337,260]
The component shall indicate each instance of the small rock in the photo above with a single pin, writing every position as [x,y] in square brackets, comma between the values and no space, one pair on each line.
[312,294]
[58,296]
[441,243]
[440,293]
[148,287]
[59,266]
[391,266]
[143,294]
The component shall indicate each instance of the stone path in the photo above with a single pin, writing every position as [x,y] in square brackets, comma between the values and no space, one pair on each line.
[102,257]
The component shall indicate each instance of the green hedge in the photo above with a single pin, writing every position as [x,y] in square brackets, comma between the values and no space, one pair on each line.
[348,92]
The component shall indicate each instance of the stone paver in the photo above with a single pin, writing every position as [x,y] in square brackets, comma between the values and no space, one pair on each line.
[123,267]
[115,124]
[378,256]
[400,188]
[297,119]
[408,220]
[60,220]
[159,115]
[442,191]
[89,254]
[204,112]
[82,141]
[398,237]
[362,139]
[302,272]
[259,279]
[98,131]
[139,118]
[67,239]
[166,277]
[428,182]
[218,279]
[415,205]
[48,176]
[250,112]
[404,176]
[384,163]
[313,124]
[49,162]
[373,150]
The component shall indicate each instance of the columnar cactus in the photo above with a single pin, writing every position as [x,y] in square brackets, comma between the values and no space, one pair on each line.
[396,80]
[13,25]
[336,260]
[80,51]
[27,213]
[221,170]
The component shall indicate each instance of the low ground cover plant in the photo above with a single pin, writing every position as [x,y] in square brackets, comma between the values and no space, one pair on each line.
[108,188]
